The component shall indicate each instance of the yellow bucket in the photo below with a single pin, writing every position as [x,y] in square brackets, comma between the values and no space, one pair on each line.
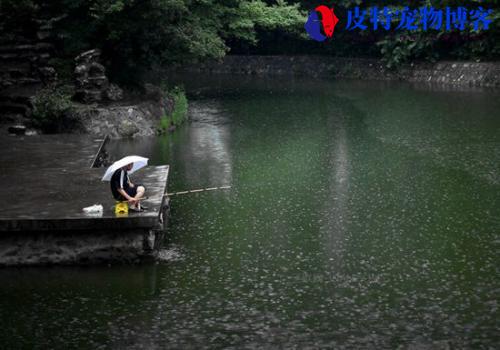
[121,208]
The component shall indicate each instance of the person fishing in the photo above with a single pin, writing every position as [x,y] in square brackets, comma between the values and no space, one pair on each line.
[124,190]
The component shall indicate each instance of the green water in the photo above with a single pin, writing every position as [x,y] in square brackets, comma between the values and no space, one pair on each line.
[361,215]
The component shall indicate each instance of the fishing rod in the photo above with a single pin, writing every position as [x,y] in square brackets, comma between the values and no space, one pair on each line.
[179,193]
[197,191]
[189,191]
[254,185]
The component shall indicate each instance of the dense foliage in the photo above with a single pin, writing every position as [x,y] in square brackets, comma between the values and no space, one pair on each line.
[433,45]
[399,46]
[51,109]
[136,35]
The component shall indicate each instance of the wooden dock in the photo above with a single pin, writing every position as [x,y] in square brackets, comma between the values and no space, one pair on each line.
[47,181]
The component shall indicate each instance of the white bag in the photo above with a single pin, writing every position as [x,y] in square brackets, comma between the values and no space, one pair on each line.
[94,209]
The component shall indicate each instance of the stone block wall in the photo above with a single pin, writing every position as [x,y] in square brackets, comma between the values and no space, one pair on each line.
[39,248]
[79,247]
[24,67]
[26,60]
[484,74]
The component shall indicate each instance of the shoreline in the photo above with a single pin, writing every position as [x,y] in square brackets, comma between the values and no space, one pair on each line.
[456,73]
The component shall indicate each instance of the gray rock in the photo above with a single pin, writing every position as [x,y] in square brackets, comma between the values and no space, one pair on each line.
[81,69]
[17,129]
[88,56]
[121,121]
[90,78]
[91,82]
[127,128]
[31,132]
[99,82]
[43,34]
[88,96]
[48,74]
[96,69]
[114,93]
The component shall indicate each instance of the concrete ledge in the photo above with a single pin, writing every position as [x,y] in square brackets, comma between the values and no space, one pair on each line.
[49,181]
[70,247]
[82,225]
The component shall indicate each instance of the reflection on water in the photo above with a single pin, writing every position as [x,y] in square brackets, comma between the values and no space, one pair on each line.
[338,188]
[207,158]
[361,215]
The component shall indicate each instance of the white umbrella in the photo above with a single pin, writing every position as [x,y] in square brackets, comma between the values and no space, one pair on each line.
[139,162]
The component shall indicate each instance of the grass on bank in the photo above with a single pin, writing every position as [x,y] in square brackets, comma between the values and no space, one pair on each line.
[179,112]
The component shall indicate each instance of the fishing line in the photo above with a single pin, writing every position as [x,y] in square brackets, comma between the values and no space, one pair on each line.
[197,190]
[241,186]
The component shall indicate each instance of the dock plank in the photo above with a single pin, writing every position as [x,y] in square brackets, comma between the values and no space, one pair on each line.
[47,151]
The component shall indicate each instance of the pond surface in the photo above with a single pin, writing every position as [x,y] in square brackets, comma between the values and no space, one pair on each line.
[361,215]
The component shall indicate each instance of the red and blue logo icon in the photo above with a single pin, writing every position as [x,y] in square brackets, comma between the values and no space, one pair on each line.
[320,29]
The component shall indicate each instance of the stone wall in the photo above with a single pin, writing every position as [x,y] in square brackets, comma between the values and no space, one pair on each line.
[120,120]
[26,60]
[456,73]
[136,120]
[23,248]
[24,67]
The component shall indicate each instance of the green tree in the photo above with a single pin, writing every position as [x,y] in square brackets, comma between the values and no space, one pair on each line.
[138,34]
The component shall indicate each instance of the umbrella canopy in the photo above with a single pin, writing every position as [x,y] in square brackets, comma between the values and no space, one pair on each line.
[139,162]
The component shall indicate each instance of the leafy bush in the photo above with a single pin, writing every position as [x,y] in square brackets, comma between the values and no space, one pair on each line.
[179,113]
[406,48]
[51,109]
